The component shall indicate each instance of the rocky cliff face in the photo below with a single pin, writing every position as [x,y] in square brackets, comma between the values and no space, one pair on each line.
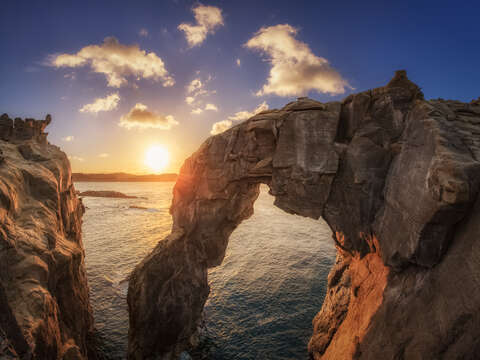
[44,302]
[396,177]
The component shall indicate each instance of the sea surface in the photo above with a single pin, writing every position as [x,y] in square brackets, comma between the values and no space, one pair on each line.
[263,297]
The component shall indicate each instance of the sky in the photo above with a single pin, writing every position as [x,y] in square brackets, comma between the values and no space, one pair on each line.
[120,77]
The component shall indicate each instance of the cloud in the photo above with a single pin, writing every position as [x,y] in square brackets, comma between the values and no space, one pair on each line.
[70,76]
[220,127]
[102,104]
[142,118]
[117,62]
[76,158]
[238,62]
[195,86]
[208,19]
[143,32]
[244,115]
[295,69]
[195,89]
[103,155]
[212,107]
[68,138]
[209,106]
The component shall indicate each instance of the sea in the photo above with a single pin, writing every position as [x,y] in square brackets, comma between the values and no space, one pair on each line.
[263,297]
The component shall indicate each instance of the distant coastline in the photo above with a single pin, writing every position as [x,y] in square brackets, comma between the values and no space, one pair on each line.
[123,177]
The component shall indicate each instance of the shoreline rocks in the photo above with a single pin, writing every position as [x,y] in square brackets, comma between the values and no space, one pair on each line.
[395,176]
[107,194]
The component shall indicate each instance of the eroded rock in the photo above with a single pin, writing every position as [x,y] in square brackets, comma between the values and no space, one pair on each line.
[396,178]
[44,302]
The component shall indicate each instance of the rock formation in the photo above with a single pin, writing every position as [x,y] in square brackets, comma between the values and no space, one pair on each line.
[44,301]
[395,176]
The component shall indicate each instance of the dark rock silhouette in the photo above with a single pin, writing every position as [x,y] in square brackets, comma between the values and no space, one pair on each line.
[396,177]
[44,302]
[106,193]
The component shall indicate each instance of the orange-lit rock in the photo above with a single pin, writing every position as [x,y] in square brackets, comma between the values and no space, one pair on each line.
[44,302]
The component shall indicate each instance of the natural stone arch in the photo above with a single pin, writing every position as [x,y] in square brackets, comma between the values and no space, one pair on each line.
[344,162]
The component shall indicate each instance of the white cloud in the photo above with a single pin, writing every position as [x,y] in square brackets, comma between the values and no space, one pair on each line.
[70,76]
[239,63]
[295,69]
[68,138]
[208,19]
[107,103]
[197,111]
[195,89]
[117,62]
[194,86]
[212,107]
[143,32]
[142,118]
[76,158]
[103,155]
[244,115]
[220,127]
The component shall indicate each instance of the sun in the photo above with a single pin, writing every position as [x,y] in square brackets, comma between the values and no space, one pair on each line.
[157,158]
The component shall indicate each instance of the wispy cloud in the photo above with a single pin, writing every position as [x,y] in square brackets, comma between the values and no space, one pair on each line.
[76,158]
[238,62]
[117,62]
[68,138]
[103,155]
[141,118]
[295,69]
[223,125]
[208,19]
[196,111]
[211,107]
[196,89]
[143,32]
[102,104]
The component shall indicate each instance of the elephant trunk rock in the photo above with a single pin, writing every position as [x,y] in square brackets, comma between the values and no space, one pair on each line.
[396,178]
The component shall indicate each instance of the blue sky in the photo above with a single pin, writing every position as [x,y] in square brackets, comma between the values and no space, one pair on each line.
[363,43]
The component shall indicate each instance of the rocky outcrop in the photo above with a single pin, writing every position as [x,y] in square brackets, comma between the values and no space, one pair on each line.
[107,194]
[44,301]
[396,178]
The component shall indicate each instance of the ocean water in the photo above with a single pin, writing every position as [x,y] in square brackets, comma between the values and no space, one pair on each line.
[263,297]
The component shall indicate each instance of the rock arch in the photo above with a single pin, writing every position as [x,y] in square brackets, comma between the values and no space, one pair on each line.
[388,172]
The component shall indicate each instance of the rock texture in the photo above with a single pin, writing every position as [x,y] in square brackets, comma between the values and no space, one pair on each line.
[396,178]
[44,302]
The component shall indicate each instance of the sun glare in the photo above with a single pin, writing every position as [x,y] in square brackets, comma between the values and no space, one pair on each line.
[157,158]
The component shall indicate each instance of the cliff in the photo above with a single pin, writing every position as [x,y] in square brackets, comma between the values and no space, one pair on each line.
[395,176]
[44,301]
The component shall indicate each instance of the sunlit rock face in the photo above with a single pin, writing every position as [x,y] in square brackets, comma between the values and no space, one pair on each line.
[44,302]
[396,177]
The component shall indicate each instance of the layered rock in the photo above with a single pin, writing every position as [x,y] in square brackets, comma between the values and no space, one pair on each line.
[44,301]
[396,178]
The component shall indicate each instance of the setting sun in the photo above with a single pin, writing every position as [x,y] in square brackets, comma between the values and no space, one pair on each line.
[157,158]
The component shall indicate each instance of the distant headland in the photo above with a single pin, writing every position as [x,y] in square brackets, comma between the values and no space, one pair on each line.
[123,177]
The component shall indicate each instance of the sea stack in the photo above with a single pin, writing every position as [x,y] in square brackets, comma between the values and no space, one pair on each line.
[395,176]
[44,302]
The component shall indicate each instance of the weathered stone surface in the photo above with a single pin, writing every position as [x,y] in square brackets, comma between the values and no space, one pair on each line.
[44,301]
[396,177]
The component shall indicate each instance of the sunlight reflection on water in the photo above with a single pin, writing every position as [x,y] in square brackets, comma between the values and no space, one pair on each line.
[263,297]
